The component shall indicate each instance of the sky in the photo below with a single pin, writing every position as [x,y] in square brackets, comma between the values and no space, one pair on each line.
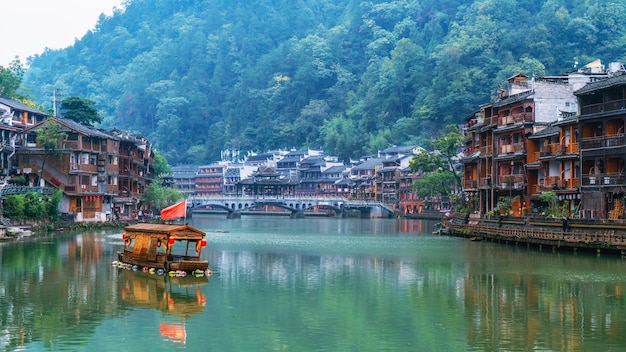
[28,27]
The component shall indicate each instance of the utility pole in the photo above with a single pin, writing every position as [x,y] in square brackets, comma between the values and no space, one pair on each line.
[56,96]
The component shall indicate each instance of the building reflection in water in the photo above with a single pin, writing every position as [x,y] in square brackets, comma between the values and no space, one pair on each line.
[178,297]
[540,307]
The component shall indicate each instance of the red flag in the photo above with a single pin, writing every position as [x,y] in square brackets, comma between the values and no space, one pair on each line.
[178,210]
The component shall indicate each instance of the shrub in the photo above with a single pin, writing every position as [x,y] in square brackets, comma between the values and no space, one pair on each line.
[14,207]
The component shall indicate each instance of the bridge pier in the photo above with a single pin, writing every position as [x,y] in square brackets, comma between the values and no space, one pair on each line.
[297,215]
[233,215]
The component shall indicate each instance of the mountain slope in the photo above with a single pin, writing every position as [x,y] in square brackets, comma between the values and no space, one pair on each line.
[196,76]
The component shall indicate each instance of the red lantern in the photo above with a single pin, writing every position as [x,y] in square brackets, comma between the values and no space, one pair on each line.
[170,241]
[203,243]
[124,236]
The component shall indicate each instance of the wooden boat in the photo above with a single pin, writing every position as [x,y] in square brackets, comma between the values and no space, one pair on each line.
[169,247]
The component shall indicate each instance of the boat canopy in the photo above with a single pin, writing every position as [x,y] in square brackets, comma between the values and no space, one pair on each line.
[178,232]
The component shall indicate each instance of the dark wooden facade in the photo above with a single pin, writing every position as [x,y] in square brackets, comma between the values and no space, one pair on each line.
[603,147]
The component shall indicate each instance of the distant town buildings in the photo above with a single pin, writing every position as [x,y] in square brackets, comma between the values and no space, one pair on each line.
[383,178]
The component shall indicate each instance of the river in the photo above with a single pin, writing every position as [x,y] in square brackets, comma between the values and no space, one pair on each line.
[312,284]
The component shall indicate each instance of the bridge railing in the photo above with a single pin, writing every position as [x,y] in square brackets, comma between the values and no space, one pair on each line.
[332,201]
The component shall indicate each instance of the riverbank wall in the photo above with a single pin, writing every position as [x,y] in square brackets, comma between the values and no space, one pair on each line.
[573,235]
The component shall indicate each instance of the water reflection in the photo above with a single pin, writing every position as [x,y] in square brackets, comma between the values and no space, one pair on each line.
[328,285]
[518,299]
[176,297]
[52,289]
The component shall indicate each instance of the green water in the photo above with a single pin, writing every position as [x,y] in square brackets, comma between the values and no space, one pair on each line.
[314,284]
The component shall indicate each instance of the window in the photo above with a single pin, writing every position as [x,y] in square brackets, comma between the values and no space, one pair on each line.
[31,139]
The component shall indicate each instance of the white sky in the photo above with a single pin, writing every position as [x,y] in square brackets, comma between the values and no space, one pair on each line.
[27,27]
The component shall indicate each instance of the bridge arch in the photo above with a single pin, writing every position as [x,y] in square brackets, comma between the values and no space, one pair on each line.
[296,205]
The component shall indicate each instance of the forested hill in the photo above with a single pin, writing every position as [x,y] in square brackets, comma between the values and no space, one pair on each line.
[348,76]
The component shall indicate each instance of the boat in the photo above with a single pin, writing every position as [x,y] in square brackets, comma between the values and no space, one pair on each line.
[170,247]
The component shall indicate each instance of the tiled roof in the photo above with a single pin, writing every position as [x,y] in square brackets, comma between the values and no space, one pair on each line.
[513,99]
[546,132]
[369,164]
[602,84]
[185,168]
[19,106]
[334,169]
[90,131]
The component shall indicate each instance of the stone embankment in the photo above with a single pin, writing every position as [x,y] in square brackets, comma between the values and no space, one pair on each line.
[554,234]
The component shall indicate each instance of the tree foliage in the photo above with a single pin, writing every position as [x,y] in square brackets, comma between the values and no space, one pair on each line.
[158,197]
[349,77]
[33,205]
[444,156]
[435,184]
[11,79]
[80,110]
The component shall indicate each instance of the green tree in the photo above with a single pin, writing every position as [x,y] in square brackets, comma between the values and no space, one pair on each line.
[49,135]
[158,197]
[80,110]
[342,138]
[52,205]
[161,167]
[14,207]
[443,158]
[434,184]
[11,79]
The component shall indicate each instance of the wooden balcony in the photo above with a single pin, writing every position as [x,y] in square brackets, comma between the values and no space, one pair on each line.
[610,141]
[510,182]
[76,167]
[602,180]
[550,149]
[603,107]
[486,182]
[511,148]
[470,184]
[486,150]
[556,182]
[514,119]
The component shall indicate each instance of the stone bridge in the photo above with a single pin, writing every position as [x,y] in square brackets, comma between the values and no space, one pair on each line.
[296,205]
